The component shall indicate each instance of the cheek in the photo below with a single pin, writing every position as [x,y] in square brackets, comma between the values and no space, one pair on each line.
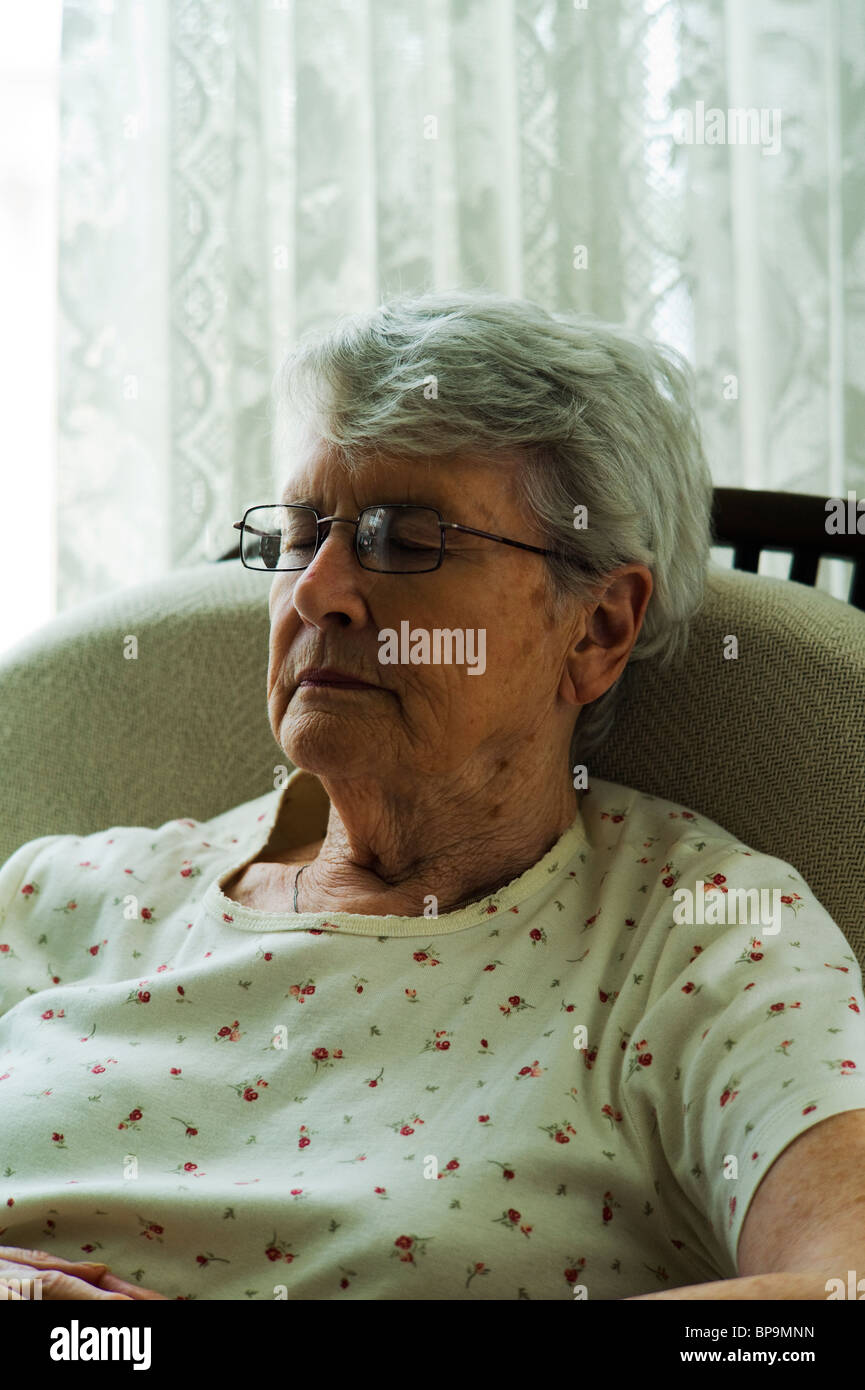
[541,608]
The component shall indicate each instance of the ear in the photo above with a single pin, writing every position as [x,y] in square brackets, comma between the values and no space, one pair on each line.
[605,635]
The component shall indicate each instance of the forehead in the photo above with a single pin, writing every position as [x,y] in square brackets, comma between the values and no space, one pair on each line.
[486,487]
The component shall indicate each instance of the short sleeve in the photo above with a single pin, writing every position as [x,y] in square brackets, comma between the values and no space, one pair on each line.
[753,1033]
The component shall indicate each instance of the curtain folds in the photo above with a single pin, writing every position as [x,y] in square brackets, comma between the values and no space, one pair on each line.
[233,172]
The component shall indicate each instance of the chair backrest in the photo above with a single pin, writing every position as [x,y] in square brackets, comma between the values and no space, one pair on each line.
[98,731]
[794,522]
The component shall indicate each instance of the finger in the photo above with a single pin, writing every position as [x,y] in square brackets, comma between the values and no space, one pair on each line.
[41,1259]
[118,1285]
[90,1271]
[58,1285]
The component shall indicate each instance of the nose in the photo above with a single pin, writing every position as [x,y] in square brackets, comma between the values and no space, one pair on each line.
[332,587]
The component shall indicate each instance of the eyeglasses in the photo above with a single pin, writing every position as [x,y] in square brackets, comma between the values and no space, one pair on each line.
[395,538]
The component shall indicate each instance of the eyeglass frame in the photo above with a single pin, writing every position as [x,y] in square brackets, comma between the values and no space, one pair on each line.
[413,506]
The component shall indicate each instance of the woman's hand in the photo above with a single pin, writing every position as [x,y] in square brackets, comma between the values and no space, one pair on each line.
[63,1279]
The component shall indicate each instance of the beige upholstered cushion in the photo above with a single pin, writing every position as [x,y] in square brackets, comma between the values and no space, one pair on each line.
[771,745]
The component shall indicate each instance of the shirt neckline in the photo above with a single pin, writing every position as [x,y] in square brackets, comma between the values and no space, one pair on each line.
[302,805]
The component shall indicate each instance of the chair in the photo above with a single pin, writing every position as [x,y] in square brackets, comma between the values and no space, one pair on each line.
[771,746]
[752,521]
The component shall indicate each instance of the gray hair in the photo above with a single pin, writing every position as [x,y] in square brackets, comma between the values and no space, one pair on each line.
[592,414]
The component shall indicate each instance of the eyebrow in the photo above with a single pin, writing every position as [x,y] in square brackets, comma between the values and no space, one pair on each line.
[442,510]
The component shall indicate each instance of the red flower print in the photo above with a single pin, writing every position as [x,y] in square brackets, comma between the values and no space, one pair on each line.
[180,989]
[418,955]
[646,1059]
[49,1013]
[514,999]
[144,996]
[135,1114]
[175,1071]
[484,1042]
[808,1109]
[146,914]
[28,889]
[404,1242]
[268,955]
[250,1094]
[302,1143]
[482,1119]
[406,1129]
[189,1167]
[513,1215]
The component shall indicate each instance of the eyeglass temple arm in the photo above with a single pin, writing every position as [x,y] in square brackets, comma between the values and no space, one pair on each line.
[239,526]
[520,545]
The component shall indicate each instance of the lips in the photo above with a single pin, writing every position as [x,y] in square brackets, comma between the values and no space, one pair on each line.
[329,675]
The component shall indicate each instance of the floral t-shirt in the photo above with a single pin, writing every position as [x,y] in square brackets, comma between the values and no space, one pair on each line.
[558,1091]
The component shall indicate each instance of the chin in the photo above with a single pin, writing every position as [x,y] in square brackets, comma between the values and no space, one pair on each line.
[328,746]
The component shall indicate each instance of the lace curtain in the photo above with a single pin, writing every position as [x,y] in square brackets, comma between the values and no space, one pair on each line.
[233,172]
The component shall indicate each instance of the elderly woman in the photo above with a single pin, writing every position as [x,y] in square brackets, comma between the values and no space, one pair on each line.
[434,1019]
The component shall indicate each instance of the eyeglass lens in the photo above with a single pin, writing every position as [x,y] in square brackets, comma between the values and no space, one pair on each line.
[391,540]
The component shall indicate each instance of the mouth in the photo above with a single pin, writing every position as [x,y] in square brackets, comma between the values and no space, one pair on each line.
[325,678]
[334,685]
